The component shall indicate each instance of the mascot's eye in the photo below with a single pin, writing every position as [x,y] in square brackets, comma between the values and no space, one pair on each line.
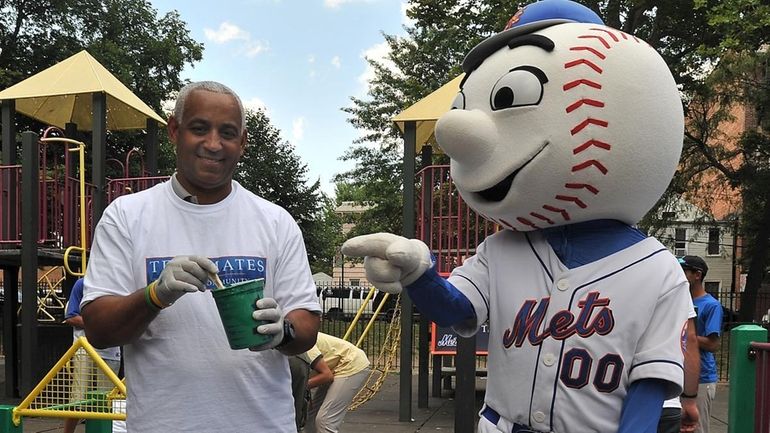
[520,87]
[459,102]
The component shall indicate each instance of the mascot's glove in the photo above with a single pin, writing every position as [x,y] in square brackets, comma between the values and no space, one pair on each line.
[391,262]
[183,274]
[269,311]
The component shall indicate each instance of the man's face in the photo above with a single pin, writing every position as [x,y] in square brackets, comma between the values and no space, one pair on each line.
[209,143]
[692,275]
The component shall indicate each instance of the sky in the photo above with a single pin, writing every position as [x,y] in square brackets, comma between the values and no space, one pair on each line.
[300,60]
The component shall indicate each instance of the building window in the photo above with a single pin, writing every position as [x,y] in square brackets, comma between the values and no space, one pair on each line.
[680,242]
[355,282]
[712,287]
[669,215]
[713,247]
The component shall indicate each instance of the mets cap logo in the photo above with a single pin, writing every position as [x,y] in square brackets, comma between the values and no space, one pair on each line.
[514,19]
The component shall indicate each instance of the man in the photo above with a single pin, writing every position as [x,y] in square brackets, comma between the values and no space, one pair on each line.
[85,373]
[709,328]
[154,250]
[340,370]
[680,414]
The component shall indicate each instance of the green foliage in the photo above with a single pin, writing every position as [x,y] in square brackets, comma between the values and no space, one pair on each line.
[145,51]
[271,169]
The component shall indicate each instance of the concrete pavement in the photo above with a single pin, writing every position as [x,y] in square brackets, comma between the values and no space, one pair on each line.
[380,414]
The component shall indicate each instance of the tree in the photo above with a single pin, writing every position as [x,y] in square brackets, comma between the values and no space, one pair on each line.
[146,52]
[695,37]
[271,169]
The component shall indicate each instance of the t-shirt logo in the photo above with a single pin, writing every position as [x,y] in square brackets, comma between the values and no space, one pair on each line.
[232,269]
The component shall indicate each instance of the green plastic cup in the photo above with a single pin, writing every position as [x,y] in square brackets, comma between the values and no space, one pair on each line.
[236,303]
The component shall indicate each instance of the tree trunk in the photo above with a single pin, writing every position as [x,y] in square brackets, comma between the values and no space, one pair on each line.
[757,265]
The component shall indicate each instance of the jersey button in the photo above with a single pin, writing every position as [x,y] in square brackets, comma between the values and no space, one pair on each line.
[562,284]
[549,359]
[538,417]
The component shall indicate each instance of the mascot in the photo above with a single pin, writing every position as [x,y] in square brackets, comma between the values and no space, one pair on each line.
[565,133]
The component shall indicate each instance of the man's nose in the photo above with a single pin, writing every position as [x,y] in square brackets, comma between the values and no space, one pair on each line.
[213,142]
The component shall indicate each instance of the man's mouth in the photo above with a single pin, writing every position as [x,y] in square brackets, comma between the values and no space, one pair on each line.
[499,190]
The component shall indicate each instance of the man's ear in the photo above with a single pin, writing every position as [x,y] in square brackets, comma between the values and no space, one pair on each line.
[173,129]
[244,141]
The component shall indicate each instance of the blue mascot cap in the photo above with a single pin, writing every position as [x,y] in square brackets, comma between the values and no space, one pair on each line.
[527,19]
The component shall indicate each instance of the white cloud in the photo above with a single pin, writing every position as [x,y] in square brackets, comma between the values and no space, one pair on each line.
[336,62]
[225,33]
[311,59]
[333,4]
[255,47]
[378,53]
[256,104]
[297,130]
[228,32]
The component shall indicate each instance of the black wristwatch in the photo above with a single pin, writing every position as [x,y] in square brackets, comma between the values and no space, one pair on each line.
[288,334]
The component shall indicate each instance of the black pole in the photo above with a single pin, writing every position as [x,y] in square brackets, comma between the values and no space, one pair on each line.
[465,394]
[30,212]
[423,372]
[10,330]
[151,147]
[99,154]
[8,199]
[405,376]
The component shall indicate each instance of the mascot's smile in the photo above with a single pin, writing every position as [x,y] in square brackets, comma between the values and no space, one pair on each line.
[498,191]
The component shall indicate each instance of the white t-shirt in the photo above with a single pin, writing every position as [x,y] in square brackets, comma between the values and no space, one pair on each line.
[564,342]
[181,374]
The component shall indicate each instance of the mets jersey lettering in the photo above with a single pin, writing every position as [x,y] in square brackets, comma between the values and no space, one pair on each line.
[563,324]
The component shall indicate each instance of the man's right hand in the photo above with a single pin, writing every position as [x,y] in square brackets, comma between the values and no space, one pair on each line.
[183,274]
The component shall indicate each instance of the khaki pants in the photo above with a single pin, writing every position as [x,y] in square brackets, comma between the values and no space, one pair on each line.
[706,394]
[330,403]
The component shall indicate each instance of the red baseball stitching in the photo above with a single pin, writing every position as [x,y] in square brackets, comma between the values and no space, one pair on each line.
[585,101]
[591,188]
[590,121]
[572,199]
[596,52]
[586,62]
[563,212]
[590,163]
[589,143]
[597,37]
[527,222]
[583,81]
[542,217]
[612,35]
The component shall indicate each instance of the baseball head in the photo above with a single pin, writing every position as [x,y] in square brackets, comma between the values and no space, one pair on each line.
[559,122]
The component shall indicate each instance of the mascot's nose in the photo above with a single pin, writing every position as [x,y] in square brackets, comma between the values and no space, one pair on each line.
[468,137]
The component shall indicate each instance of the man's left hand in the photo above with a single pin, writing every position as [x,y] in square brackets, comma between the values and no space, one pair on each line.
[269,311]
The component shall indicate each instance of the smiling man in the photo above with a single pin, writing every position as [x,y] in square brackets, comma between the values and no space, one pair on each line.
[152,248]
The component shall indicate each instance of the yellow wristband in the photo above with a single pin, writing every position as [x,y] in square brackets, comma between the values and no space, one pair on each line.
[154,296]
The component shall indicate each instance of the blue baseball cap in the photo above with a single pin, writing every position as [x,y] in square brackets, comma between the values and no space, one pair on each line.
[527,19]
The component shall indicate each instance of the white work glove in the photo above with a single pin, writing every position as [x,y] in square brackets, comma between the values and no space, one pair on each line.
[269,311]
[183,274]
[390,261]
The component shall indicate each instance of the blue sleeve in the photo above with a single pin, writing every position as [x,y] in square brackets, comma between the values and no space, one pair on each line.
[713,323]
[439,300]
[643,406]
[73,304]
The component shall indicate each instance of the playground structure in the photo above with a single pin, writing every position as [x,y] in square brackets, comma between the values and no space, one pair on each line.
[49,205]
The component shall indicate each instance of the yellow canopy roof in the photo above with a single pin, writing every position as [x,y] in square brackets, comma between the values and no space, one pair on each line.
[427,110]
[62,94]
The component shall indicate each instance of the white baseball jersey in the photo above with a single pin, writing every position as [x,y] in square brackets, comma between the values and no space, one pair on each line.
[565,344]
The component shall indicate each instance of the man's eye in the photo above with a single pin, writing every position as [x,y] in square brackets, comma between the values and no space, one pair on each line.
[519,87]
[228,134]
[198,130]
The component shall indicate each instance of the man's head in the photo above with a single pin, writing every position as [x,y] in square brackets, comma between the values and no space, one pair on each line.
[694,267]
[207,128]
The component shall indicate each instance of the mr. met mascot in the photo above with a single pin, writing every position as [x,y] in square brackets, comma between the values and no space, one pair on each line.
[565,133]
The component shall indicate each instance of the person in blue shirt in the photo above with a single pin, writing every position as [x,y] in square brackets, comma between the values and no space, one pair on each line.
[81,364]
[708,329]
